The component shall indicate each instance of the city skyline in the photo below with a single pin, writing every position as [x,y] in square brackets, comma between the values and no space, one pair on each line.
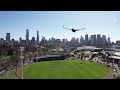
[37,37]
[89,40]
[49,23]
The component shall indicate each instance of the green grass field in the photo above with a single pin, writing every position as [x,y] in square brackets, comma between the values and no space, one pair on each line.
[65,69]
[10,75]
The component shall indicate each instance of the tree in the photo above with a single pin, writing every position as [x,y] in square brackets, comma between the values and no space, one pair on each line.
[10,52]
[41,51]
[5,62]
[15,59]
[26,56]
[99,53]
[107,57]
[92,56]
[31,55]
[104,56]
[4,50]
[82,55]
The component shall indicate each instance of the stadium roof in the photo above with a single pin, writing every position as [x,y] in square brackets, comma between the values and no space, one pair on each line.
[47,56]
[117,53]
[88,47]
[115,57]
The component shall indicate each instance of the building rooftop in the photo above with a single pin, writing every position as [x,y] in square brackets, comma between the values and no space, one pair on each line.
[115,57]
[88,47]
[117,53]
[47,56]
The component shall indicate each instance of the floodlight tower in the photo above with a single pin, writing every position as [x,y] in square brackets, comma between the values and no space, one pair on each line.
[37,51]
[113,56]
[22,57]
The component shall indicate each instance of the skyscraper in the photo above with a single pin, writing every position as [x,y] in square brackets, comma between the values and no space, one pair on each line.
[12,43]
[77,40]
[82,40]
[99,40]
[64,40]
[8,37]
[95,41]
[37,37]
[92,40]
[86,39]
[27,36]
[73,40]
[43,40]
[20,41]
[2,41]
[33,40]
[103,40]
[109,42]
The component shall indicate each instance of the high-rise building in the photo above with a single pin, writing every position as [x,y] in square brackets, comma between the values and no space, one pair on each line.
[20,40]
[12,42]
[73,41]
[118,41]
[77,40]
[92,40]
[33,40]
[109,42]
[8,37]
[82,40]
[37,37]
[52,39]
[95,40]
[57,41]
[23,42]
[99,40]
[27,36]
[64,40]
[86,39]
[104,40]
[16,43]
[44,41]
[2,41]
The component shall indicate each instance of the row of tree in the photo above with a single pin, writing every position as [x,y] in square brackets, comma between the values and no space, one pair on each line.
[10,56]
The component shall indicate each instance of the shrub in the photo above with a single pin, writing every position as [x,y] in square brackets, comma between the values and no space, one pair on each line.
[118,77]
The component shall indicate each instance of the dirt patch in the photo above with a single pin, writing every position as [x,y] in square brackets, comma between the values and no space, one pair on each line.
[109,76]
[18,73]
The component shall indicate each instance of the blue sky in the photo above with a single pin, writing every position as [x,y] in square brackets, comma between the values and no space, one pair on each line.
[49,23]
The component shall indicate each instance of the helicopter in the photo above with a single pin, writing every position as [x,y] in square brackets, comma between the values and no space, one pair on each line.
[74,30]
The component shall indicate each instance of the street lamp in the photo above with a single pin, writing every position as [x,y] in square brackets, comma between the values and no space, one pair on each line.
[113,55]
[22,49]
